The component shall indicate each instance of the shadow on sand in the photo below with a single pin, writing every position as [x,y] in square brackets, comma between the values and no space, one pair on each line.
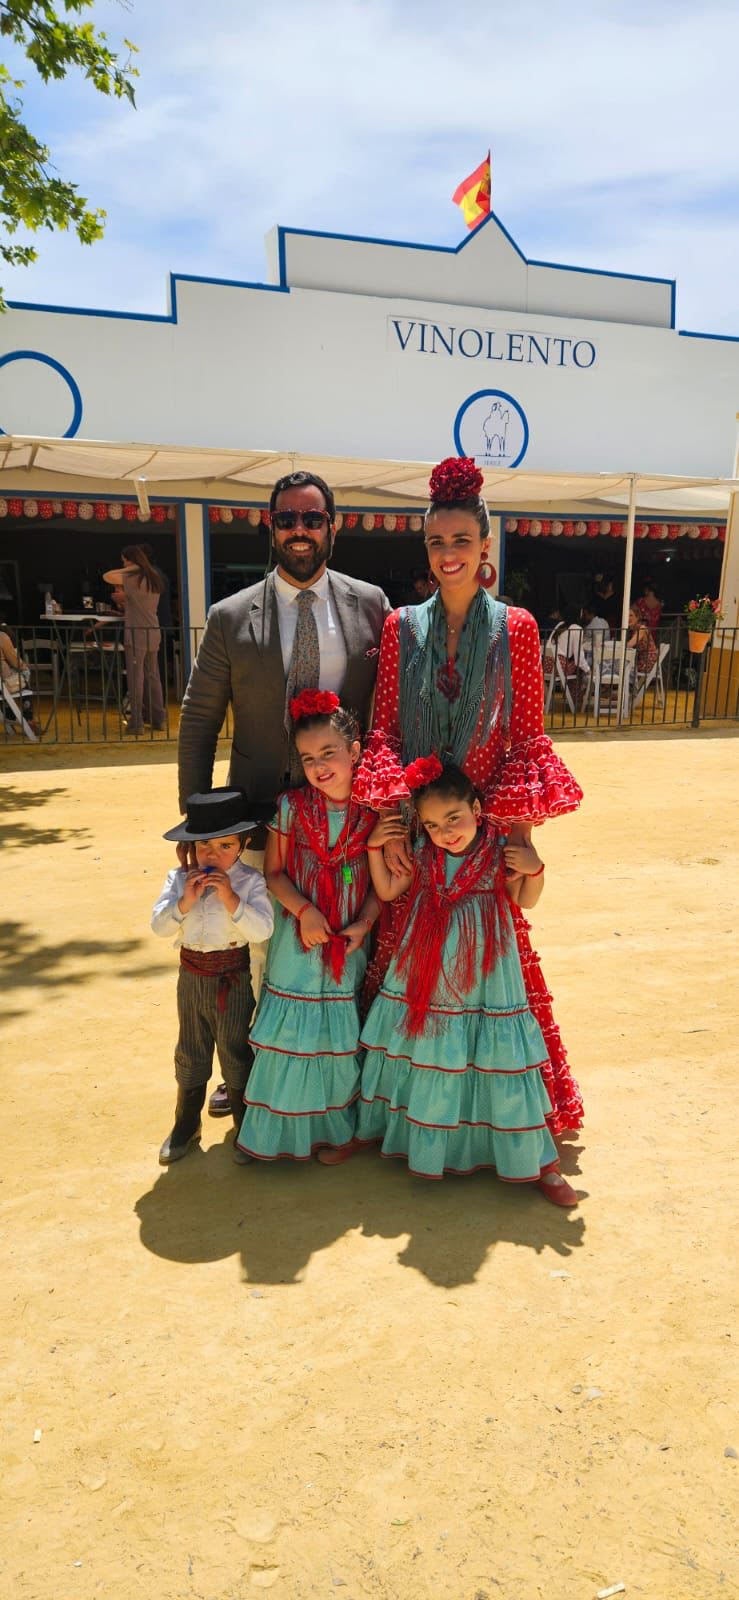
[276,1217]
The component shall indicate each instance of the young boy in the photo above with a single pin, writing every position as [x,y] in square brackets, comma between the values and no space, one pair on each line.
[214,909]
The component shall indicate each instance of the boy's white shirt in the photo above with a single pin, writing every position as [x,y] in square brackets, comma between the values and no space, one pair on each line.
[208,925]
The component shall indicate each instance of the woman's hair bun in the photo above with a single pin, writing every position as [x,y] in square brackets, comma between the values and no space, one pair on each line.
[456,478]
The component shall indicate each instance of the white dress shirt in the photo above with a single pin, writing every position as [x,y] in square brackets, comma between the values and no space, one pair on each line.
[208,925]
[330,637]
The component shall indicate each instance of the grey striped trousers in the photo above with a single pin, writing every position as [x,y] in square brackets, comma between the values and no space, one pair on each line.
[204,1028]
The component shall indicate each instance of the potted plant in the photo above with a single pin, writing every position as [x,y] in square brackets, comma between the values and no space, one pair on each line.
[701,615]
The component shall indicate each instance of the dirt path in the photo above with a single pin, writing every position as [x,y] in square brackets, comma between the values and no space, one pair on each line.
[346,1381]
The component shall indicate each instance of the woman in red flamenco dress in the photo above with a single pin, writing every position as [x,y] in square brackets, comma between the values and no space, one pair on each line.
[461,675]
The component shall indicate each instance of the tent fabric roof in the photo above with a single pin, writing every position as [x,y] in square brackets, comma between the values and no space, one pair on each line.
[252,472]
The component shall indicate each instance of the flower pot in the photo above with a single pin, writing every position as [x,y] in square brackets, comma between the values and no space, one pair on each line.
[697,642]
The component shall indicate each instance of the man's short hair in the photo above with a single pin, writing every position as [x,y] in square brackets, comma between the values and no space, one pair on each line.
[303,480]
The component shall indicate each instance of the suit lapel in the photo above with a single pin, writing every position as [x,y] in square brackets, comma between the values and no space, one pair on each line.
[265,626]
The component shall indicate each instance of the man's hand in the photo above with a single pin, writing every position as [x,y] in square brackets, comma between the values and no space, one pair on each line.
[313,928]
[186,854]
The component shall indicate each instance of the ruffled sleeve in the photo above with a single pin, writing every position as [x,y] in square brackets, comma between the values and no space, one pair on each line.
[532,784]
[386,714]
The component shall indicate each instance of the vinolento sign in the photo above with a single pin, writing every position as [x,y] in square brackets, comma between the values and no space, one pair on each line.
[489,344]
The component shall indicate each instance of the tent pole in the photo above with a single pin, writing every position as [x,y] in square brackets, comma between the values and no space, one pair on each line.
[626,604]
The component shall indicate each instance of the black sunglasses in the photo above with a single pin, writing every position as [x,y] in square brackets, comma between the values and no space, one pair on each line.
[312,521]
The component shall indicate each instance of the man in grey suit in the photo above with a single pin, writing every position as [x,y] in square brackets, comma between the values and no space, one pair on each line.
[246,656]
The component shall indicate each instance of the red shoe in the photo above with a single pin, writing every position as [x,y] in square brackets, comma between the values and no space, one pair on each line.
[329,1157]
[557,1190]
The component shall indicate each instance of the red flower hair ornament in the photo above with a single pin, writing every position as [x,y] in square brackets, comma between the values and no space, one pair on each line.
[425,770]
[314,703]
[456,478]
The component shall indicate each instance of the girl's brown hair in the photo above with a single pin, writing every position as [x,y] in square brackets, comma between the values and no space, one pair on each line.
[148,574]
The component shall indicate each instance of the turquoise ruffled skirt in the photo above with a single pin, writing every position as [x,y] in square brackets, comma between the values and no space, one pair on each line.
[467,1092]
[304,1084]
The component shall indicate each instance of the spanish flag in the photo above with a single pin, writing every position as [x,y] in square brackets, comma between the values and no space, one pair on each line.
[473,194]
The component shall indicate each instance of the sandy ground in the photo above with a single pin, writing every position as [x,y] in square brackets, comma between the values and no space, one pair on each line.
[348,1381]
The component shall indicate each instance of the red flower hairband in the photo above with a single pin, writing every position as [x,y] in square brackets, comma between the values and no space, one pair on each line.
[314,703]
[456,478]
[425,770]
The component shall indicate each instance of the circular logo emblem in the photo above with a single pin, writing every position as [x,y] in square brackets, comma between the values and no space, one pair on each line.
[38,392]
[491,427]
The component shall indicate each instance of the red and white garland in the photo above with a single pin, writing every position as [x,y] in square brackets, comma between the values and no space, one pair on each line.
[546,527]
[84,510]
[366,521]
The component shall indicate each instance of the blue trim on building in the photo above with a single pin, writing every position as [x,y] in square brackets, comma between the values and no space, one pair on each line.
[454,250]
[726,338]
[48,361]
[171,317]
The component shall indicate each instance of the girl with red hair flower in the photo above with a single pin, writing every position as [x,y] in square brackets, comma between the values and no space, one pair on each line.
[452,1078]
[461,675]
[302,1090]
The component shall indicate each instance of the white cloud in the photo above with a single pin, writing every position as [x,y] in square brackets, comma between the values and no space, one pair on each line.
[614,131]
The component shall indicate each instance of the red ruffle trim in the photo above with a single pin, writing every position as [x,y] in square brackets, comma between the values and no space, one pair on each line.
[534,784]
[379,781]
[563,1091]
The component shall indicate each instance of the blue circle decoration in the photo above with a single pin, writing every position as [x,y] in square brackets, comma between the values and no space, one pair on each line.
[494,396]
[48,361]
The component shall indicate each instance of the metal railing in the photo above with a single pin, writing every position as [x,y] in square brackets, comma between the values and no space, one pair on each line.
[77,690]
[606,684]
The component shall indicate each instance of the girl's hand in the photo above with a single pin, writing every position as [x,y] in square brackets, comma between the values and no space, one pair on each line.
[389,825]
[522,860]
[195,885]
[313,928]
[355,934]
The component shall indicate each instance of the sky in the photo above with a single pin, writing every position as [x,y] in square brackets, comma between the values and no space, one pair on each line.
[613,129]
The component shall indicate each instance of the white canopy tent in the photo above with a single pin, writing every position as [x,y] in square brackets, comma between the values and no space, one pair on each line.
[240,475]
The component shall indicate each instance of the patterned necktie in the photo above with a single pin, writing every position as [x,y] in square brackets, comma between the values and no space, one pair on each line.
[304,668]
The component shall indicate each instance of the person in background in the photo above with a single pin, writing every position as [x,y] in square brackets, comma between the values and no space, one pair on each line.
[142,585]
[594,626]
[608,602]
[640,639]
[649,607]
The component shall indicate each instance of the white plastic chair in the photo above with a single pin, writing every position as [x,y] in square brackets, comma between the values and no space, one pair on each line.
[13,706]
[607,671]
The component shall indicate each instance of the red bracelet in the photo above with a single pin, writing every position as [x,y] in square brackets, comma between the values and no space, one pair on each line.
[536,874]
[375,847]
[302,911]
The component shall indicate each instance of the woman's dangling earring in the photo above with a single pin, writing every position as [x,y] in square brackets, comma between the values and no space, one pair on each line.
[486,574]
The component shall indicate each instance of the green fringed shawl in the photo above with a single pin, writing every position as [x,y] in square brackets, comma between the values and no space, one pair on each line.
[429,723]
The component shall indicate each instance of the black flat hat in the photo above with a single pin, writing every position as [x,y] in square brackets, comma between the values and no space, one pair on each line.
[214,815]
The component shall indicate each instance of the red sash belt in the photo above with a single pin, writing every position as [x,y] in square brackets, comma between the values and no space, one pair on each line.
[225,965]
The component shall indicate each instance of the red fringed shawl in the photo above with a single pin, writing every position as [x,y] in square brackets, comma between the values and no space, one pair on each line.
[433,907]
[316,868]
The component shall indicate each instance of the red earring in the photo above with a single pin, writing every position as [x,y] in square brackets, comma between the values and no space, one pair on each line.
[486,574]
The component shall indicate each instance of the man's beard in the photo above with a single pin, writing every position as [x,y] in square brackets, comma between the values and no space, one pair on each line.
[303,567]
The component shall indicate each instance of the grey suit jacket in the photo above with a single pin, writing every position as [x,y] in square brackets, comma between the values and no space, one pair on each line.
[240,661]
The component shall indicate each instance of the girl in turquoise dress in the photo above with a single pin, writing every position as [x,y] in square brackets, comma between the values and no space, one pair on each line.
[303,1087]
[452,1077]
